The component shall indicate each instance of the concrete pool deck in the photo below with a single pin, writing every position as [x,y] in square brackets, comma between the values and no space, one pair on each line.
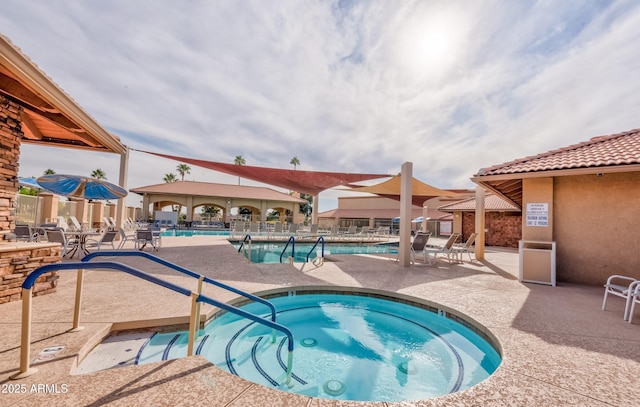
[558,347]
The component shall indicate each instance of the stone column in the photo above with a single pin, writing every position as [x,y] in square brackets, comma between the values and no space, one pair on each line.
[10,135]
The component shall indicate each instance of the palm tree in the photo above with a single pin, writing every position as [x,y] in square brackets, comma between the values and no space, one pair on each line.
[239,160]
[49,171]
[295,162]
[182,170]
[170,177]
[98,174]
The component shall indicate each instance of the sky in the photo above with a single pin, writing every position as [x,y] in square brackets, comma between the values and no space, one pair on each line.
[349,86]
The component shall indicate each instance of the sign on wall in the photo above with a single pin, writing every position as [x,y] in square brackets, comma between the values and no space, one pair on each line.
[537,214]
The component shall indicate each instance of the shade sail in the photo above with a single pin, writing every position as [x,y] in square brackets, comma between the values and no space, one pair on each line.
[421,192]
[307,182]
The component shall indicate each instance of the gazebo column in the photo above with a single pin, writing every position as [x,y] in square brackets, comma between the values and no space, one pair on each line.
[263,211]
[314,213]
[189,208]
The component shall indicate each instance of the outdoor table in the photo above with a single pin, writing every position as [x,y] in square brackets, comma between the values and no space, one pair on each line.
[81,237]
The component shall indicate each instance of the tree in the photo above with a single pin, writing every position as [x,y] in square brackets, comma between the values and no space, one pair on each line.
[295,162]
[306,208]
[170,177]
[182,170]
[98,174]
[210,211]
[239,160]
[49,171]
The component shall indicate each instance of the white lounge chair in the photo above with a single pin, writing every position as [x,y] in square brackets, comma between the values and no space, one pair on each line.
[460,249]
[446,249]
[623,290]
[124,237]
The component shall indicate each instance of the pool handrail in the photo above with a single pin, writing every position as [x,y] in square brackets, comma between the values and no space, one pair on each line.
[320,239]
[190,273]
[291,240]
[29,282]
[247,238]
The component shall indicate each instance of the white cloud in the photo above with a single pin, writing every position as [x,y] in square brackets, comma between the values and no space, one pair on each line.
[344,86]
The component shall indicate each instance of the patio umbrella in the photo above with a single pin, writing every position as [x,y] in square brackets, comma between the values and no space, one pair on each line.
[79,186]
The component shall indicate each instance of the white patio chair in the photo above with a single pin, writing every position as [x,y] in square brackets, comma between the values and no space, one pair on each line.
[635,299]
[58,236]
[143,238]
[418,245]
[624,290]
[124,237]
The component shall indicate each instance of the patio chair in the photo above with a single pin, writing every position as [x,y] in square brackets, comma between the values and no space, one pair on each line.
[107,238]
[624,290]
[143,238]
[460,249]
[446,249]
[57,236]
[418,245]
[124,237]
[635,299]
[25,234]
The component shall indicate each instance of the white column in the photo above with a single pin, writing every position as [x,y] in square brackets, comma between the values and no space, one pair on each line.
[406,178]
[122,181]
[479,246]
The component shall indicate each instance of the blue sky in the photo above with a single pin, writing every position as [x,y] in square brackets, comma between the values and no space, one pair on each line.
[358,86]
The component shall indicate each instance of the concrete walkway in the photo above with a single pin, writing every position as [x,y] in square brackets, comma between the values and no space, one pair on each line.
[559,348]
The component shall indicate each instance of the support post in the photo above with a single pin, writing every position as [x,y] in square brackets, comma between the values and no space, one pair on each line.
[480,223]
[76,310]
[25,339]
[194,323]
[406,180]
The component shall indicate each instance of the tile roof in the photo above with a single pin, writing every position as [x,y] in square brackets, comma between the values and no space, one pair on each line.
[197,188]
[491,203]
[604,151]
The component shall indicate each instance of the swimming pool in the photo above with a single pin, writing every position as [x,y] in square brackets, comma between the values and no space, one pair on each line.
[193,232]
[270,252]
[347,347]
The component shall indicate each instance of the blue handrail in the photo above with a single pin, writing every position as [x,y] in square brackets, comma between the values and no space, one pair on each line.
[291,240]
[31,280]
[320,239]
[246,238]
[135,253]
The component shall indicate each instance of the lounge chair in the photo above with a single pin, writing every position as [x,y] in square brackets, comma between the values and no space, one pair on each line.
[418,245]
[446,249]
[75,223]
[624,290]
[24,233]
[460,249]
[107,238]
[277,229]
[293,228]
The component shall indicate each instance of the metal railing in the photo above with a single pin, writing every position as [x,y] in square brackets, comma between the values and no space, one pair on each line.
[190,273]
[291,240]
[247,238]
[319,240]
[196,298]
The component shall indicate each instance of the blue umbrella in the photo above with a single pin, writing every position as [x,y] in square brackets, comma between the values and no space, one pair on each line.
[29,182]
[79,186]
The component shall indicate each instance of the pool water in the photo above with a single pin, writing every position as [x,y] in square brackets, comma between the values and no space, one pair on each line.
[347,347]
[270,252]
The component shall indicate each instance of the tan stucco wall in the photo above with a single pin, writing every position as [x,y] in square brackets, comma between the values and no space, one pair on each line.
[597,227]
[537,191]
